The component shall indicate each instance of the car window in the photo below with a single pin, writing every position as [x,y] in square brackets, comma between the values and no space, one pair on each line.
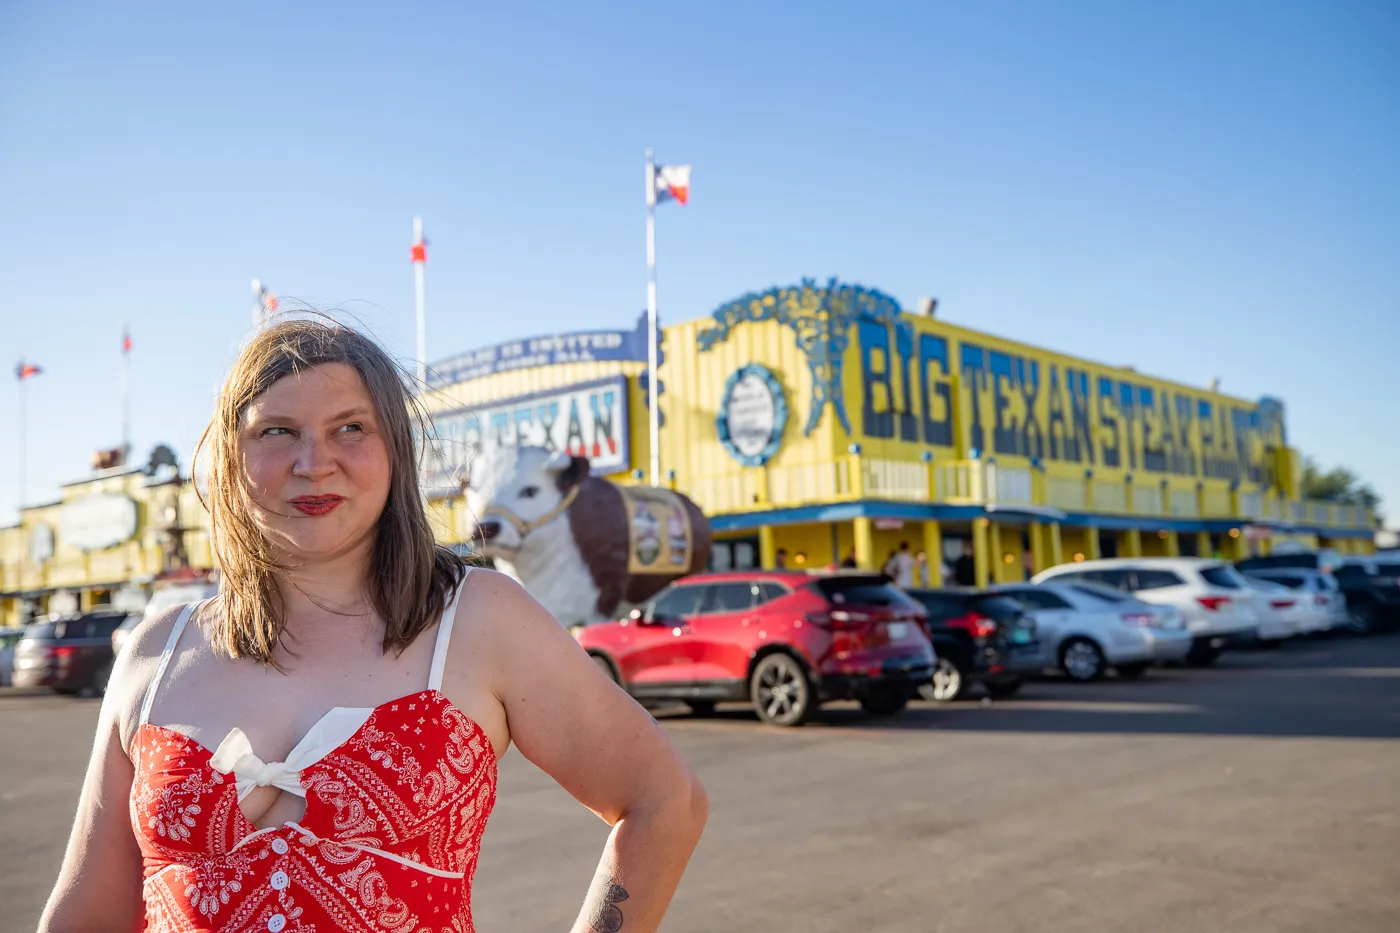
[1096,591]
[1350,573]
[1000,608]
[767,592]
[1157,579]
[678,602]
[861,591]
[1119,579]
[1292,580]
[1069,576]
[731,597]
[942,606]
[1038,599]
[44,630]
[1388,569]
[1302,560]
[1223,576]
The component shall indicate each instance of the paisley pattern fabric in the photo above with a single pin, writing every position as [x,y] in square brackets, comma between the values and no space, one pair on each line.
[389,841]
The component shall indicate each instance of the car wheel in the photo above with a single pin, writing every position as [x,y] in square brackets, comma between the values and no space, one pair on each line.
[780,691]
[701,707]
[1132,671]
[947,684]
[885,701]
[1202,654]
[606,667]
[1004,689]
[1082,660]
[1361,618]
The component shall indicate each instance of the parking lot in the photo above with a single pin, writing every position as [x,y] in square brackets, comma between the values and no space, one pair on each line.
[1260,795]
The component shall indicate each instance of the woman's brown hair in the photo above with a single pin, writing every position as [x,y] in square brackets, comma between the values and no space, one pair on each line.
[410,577]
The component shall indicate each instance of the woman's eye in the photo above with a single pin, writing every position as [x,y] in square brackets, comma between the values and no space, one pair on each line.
[354,426]
[272,432]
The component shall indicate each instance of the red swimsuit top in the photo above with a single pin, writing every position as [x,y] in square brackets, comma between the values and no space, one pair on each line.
[397,798]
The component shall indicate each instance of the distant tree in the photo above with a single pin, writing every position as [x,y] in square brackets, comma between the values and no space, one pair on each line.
[1339,485]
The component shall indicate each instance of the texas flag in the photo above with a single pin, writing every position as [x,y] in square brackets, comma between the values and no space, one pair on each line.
[24,370]
[673,183]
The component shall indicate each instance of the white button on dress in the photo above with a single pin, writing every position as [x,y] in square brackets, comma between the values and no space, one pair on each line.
[279,880]
[280,846]
[275,923]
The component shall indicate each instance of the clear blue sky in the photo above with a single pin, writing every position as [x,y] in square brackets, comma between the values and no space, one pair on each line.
[1199,189]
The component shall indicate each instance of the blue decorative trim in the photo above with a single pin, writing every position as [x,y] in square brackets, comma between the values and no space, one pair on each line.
[910,511]
[780,415]
[822,318]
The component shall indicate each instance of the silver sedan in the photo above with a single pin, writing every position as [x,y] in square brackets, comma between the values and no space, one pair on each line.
[1086,629]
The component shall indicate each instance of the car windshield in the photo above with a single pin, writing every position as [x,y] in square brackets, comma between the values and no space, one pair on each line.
[1223,576]
[44,630]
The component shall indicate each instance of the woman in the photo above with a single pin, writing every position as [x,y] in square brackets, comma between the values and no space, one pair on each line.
[316,747]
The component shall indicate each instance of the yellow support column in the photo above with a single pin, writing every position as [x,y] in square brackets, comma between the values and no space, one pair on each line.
[865,543]
[1132,543]
[933,548]
[767,546]
[981,554]
[1173,544]
[1057,550]
[996,570]
[1094,551]
[1038,547]
[1203,544]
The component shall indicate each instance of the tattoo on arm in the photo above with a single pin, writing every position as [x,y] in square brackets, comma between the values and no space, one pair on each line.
[604,916]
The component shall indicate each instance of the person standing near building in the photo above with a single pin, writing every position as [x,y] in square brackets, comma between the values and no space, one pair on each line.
[902,563]
[780,559]
[965,567]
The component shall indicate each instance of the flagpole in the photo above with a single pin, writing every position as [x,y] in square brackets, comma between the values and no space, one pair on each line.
[420,257]
[653,379]
[21,445]
[126,394]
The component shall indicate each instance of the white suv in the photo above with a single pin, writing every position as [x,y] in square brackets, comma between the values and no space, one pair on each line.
[1219,608]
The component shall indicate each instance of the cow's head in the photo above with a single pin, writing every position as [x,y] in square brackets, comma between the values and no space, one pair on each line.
[518,489]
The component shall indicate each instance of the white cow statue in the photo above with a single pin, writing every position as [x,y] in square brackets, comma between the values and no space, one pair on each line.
[586,548]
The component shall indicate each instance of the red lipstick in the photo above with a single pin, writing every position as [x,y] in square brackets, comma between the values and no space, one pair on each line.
[316,505]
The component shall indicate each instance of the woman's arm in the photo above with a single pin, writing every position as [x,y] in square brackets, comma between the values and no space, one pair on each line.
[99,886]
[568,718]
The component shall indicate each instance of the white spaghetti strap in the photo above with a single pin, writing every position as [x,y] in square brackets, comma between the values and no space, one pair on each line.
[170,643]
[445,634]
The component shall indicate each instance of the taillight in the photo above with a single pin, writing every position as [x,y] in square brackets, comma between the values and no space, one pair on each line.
[62,651]
[837,620]
[1281,603]
[1142,619]
[1213,603]
[982,626]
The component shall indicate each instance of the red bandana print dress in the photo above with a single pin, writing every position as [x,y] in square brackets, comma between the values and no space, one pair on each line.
[389,841]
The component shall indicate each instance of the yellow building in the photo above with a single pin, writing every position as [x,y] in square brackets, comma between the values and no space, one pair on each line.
[106,540]
[826,421]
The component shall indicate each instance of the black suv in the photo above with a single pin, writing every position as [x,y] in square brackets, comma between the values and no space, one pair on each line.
[978,637]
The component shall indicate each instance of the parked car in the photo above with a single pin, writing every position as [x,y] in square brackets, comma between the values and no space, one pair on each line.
[1325,560]
[1218,607]
[1281,614]
[163,598]
[71,654]
[1372,592]
[1086,628]
[1314,586]
[9,637]
[979,637]
[784,641]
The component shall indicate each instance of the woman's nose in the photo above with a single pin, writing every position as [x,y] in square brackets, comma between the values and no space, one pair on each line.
[313,461]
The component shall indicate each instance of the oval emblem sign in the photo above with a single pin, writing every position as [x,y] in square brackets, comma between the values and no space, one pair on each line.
[96,522]
[752,415]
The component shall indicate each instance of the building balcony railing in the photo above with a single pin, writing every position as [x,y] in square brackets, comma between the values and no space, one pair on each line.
[984,482]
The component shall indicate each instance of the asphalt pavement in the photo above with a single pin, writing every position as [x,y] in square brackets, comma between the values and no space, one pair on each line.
[1260,795]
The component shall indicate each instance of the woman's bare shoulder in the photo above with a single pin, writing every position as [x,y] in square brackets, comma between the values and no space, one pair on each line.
[135,668]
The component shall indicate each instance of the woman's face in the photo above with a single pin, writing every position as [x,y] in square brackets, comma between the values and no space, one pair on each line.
[316,463]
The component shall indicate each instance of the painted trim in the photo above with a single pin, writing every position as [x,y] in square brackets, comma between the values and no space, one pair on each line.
[911,511]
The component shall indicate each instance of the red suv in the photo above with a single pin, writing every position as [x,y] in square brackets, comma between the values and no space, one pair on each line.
[784,641]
